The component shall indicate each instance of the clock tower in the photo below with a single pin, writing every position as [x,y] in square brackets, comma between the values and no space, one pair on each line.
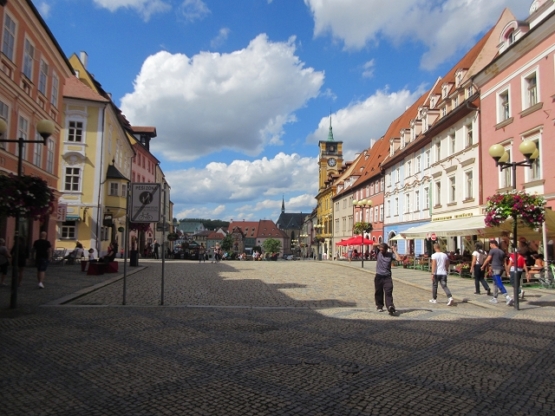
[331,157]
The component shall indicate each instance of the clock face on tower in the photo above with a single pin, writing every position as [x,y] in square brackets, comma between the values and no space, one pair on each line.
[332,162]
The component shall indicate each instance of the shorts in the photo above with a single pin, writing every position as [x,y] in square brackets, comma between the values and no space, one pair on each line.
[42,264]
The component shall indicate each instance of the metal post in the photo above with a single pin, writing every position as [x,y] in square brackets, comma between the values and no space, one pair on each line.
[162,245]
[126,242]
[15,262]
[516,282]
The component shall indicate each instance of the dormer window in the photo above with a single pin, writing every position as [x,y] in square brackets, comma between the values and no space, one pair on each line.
[444,91]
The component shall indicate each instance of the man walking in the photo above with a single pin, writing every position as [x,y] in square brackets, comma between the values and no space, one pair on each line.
[43,250]
[496,257]
[440,266]
[383,284]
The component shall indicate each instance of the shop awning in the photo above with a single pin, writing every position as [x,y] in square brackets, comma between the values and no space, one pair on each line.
[451,228]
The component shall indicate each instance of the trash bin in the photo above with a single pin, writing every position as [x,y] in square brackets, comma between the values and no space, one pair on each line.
[134,258]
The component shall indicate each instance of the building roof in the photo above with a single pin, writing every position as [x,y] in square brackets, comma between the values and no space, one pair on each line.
[114,173]
[74,88]
[288,221]
[144,130]
[257,229]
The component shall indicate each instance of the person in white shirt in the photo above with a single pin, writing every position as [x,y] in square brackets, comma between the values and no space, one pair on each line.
[478,258]
[440,266]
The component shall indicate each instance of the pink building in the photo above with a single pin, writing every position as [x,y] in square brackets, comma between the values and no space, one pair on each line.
[517,103]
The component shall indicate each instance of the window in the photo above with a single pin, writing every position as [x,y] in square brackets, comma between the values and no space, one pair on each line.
[114,188]
[408,168]
[426,198]
[43,76]
[72,179]
[417,200]
[75,131]
[427,159]
[452,189]
[28,56]
[504,106]
[388,208]
[382,184]
[438,151]
[50,156]
[407,203]
[531,90]
[397,175]
[372,189]
[535,172]
[456,101]
[23,128]
[4,116]
[469,185]
[452,144]
[55,90]
[381,213]
[469,135]
[506,179]
[443,111]
[371,217]
[67,230]
[9,37]
[418,164]
[396,206]
[438,193]
[37,155]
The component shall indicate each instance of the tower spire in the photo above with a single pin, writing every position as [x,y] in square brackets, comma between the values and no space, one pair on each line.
[283,203]
[330,133]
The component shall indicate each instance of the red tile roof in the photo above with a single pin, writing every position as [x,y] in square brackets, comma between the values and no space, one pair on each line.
[74,88]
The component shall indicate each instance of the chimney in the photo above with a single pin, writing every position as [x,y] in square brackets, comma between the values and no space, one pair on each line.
[83,57]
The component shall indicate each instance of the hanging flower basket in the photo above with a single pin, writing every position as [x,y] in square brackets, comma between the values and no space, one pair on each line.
[530,209]
[139,226]
[172,236]
[362,227]
[28,196]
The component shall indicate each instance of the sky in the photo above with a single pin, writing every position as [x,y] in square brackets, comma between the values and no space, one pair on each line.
[242,91]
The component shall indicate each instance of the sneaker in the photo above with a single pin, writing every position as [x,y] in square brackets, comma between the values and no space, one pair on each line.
[477,293]
[433,301]
[522,295]
[489,292]
[391,310]
[450,302]
[41,285]
[509,301]
[381,309]
[493,300]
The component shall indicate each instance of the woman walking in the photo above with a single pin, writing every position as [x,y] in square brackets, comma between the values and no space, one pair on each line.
[478,258]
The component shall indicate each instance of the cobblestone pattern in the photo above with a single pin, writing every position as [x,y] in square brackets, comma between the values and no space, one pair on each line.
[307,344]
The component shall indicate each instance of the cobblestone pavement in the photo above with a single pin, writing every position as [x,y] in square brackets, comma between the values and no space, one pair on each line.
[269,338]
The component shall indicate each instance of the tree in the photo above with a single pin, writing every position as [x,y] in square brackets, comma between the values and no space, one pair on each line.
[271,245]
[227,243]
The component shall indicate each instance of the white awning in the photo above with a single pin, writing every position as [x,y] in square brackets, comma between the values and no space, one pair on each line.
[452,228]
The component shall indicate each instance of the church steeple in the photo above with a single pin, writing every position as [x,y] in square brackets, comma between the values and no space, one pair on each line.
[283,203]
[330,133]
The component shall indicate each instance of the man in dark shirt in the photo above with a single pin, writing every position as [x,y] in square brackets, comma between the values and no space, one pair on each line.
[43,250]
[383,283]
[496,257]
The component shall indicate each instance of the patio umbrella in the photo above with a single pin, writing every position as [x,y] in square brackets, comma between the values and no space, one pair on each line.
[342,243]
[357,241]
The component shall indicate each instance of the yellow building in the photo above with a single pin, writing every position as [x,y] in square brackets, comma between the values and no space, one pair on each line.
[330,161]
[95,167]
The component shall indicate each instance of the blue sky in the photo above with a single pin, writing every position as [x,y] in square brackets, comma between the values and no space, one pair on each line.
[241,91]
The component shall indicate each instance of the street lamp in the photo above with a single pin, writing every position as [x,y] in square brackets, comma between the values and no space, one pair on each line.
[363,203]
[45,128]
[319,228]
[499,154]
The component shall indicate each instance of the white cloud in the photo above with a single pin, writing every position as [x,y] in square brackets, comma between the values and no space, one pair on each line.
[361,121]
[213,101]
[146,8]
[368,69]
[243,180]
[444,27]
[219,40]
[44,9]
[193,10]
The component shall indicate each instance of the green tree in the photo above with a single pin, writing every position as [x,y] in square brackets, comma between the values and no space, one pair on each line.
[227,243]
[271,245]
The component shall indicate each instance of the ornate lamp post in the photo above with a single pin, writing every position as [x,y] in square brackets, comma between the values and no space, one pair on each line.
[501,157]
[362,204]
[45,128]
[318,228]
